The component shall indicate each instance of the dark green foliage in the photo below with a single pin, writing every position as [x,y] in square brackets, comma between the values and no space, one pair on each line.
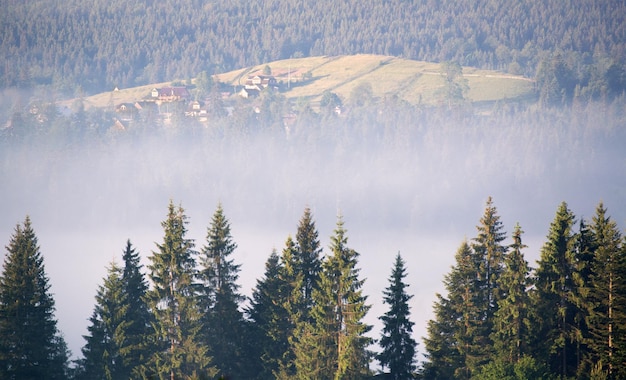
[397,343]
[126,44]
[460,339]
[553,296]
[512,328]
[307,258]
[333,345]
[177,350]
[102,356]
[607,296]
[442,355]
[31,347]
[224,327]
[489,253]
[525,368]
[270,318]
[116,346]
[450,342]
[138,320]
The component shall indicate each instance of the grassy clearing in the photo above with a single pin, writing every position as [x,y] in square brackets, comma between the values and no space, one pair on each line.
[413,81]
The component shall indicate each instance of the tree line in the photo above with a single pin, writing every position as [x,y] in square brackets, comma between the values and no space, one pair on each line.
[186,318]
[90,46]
[304,319]
[564,319]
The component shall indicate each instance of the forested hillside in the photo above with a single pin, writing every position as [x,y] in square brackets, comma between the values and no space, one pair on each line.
[94,45]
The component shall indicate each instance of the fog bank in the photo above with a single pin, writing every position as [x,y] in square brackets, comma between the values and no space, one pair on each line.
[418,188]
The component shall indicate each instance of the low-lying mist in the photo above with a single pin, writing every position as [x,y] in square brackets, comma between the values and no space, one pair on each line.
[415,185]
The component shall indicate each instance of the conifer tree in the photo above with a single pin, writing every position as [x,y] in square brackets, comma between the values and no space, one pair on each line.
[608,297]
[452,349]
[268,315]
[275,309]
[553,296]
[333,344]
[489,253]
[102,356]
[308,257]
[511,334]
[116,344]
[31,346]
[138,317]
[398,345]
[584,253]
[292,300]
[489,249]
[178,352]
[442,354]
[224,326]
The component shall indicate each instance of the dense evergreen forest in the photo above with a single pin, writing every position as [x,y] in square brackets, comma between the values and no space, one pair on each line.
[92,46]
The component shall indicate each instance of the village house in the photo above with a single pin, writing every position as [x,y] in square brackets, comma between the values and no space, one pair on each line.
[260,82]
[170,94]
[126,111]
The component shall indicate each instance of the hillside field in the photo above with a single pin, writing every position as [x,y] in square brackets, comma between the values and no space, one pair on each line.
[415,82]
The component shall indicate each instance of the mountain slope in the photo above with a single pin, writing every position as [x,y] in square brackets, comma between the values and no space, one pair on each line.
[307,78]
[98,45]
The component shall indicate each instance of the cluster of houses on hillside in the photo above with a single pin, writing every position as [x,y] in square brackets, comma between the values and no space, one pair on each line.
[165,102]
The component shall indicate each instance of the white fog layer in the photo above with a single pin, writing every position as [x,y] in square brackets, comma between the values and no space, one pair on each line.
[418,188]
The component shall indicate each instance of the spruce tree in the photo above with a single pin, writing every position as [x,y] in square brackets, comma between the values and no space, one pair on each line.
[178,352]
[292,300]
[31,346]
[608,297]
[398,346]
[224,326]
[511,333]
[333,344]
[308,257]
[488,246]
[268,315]
[276,308]
[119,325]
[489,253]
[102,356]
[584,253]
[138,317]
[452,350]
[442,356]
[553,296]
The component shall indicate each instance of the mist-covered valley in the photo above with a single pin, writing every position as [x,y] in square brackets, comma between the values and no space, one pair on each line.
[413,182]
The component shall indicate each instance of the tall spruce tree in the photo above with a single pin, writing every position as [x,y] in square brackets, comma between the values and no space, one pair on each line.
[269,318]
[292,300]
[224,326]
[398,346]
[489,252]
[584,253]
[511,332]
[102,356]
[31,346]
[607,315]
[452,350]
[553,296]
[138,318]
[442,354]
[308,257]
[276,307]
[119,325]
[333,344]
[178,352]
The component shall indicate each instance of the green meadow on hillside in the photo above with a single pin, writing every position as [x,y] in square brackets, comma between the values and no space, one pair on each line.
[415,82]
